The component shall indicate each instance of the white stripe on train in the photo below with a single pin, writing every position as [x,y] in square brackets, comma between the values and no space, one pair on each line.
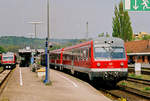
[85,69]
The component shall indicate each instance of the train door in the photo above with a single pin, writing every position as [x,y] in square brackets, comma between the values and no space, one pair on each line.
[72,62]
[85,57]
[88,57]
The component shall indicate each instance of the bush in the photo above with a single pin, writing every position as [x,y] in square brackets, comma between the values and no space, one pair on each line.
[123,84]
[146,88]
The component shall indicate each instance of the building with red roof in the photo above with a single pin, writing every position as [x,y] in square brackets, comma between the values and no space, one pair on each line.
[138,51]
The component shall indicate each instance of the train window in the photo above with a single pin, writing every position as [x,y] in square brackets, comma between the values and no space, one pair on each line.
[55,56]
[63,57]
[58,56]
[76,54]
[117,53]
[67,57]
[75,58]
[81,54]
[8,58]
[109,52]
[101,52]
[84,54]
[89,52]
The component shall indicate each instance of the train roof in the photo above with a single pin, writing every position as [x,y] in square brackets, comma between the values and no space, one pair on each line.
[56,51]
[79,45]
[101,40]
[109,40]
[8,54]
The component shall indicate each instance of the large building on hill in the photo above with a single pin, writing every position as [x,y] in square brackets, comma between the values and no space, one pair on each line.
[138,51]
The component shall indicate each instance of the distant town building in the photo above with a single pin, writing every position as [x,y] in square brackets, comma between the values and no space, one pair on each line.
[138,51]
[140,35]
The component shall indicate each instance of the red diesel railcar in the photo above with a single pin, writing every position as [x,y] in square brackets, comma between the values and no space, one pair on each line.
[8,60]
[103,58]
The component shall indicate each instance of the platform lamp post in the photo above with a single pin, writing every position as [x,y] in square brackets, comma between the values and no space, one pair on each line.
[47,77]
[35,32]
[35,27]
[32,57]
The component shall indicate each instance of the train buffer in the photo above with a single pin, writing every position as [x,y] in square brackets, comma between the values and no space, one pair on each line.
[24,85]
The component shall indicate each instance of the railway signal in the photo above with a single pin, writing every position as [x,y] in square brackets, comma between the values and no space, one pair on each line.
[47,63]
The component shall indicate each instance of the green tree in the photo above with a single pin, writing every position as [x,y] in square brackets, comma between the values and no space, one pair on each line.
[107,35]
[55,47]
[146,37]
[101,35]
[2,50]
[121,24]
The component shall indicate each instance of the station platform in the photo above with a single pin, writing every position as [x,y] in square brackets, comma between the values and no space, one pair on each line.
[24,85]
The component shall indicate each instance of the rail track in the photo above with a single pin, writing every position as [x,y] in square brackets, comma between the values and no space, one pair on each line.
[127,93]
[130,93]
[4,77]
[145,71]
[123,92]
[138,80]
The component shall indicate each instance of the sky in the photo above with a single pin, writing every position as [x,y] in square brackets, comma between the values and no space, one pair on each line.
[68,18]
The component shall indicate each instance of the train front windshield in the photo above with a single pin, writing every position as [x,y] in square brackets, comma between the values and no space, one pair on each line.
[8,58]
[109,53]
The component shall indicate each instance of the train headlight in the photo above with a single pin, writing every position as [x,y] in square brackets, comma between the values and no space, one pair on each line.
[121,64]
[98,64]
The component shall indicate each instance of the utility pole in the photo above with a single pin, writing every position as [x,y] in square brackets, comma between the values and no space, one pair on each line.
[87,29]
[47,80]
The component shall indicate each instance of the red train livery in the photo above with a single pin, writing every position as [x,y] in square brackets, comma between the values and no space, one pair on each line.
[8,60]
[103,58]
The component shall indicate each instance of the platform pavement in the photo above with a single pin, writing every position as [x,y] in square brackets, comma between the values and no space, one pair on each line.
[64,88]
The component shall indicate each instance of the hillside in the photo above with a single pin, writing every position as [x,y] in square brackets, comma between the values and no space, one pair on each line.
[13,43]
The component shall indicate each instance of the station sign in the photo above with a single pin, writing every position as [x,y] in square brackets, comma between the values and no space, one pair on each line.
[136,5]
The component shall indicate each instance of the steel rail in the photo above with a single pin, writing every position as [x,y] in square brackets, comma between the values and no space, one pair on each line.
[4,81]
